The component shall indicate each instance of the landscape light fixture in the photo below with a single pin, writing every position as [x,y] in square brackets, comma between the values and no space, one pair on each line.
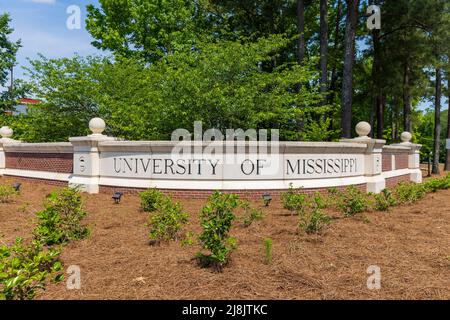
[16,186]
[117,196]
[267,198]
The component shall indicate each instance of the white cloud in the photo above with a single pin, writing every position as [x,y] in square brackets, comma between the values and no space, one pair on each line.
[44,1]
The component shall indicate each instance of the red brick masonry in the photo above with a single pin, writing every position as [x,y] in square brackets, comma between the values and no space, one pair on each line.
[401,161]
[392,182]
[203,194]
[386,162]
[49,162]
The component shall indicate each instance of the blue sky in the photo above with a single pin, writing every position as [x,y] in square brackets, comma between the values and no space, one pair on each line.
[41,25]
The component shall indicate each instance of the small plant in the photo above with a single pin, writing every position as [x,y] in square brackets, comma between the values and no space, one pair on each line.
[352,201]
[217,217]
[250,214]
[60,221]
[268,250]
[313,220]
[333,191]
[384,200]
[167,220]
[407,193]
[435,184]
[7,193]
[293,201]
[24,269]
[188,239]
[149,199]
[320,201]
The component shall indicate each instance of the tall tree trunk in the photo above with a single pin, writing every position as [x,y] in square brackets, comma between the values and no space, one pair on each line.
[333,81]
[395,119]
[301,31]
[407,125]
[447,160]
[373,111]
[349,57]
[437,122]
[334,74]
[380,116]
[376,77]
[323,47]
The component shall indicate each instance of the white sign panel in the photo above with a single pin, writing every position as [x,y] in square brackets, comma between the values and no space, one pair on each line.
[241,167]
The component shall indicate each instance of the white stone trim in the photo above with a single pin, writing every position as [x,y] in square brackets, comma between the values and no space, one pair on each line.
[282,147]
[231,184]
[38,174]
[57,147]
[396,173]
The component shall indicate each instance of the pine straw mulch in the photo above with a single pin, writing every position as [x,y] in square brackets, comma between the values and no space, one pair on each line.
[411,245]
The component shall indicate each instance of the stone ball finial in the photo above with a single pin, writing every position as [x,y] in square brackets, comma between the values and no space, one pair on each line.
[6,132]
[97,125]
[406,136]
[363,129]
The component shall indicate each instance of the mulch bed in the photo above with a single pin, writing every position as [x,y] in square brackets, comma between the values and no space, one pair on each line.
[411,245]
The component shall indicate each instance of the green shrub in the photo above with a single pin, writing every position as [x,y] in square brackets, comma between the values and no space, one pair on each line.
[250,214]
[7,193]
[384,200]
[320,201]
[60,221]
[292,200]
[24,269]
[352,201]
[167,220]
[407,192]
[268,250]
[435,184]
[149,199]
[333,191]
[216,220]
[313,220]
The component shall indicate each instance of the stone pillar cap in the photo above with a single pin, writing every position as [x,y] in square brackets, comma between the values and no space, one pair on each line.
[6,132]
[97,126]
[406,137]
[363,129]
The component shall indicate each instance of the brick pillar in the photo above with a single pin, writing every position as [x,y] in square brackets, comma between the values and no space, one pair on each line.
[413,157]
[86,158]
[372,157]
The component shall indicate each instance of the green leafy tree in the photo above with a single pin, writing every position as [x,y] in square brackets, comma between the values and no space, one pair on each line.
[147,30]
[8,51]
[222,84]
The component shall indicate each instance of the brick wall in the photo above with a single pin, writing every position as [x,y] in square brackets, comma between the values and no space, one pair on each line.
[49,162]
[401,160]
[386,161]
[392,182]
[203,194]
